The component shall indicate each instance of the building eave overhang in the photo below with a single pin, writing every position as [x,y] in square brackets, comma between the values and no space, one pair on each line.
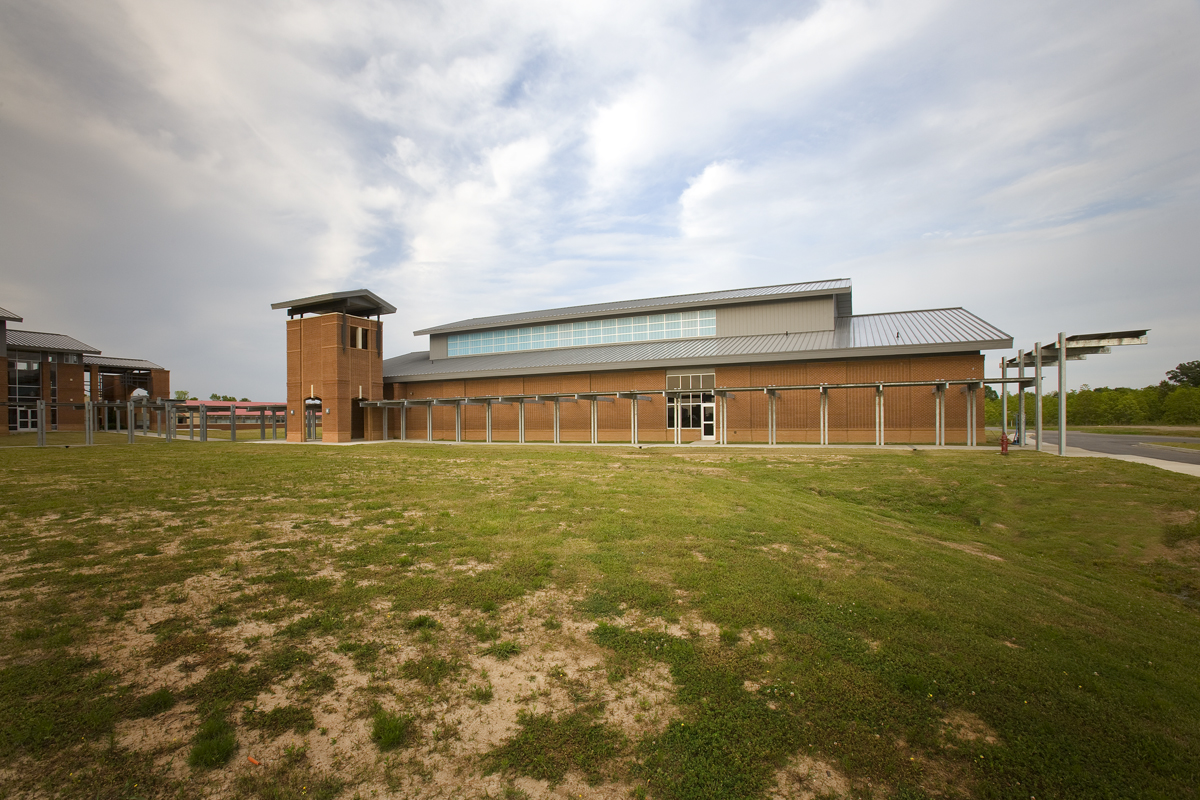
[831,354]
[358,302]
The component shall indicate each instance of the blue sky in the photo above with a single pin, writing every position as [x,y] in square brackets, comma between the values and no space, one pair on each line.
[170,169]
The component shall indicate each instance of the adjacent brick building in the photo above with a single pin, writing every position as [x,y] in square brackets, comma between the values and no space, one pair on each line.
[60,369]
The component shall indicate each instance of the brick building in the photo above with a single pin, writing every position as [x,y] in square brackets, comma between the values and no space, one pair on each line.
[788,363]
[60,369]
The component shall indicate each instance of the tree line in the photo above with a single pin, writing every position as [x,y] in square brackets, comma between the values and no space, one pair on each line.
[1174,401]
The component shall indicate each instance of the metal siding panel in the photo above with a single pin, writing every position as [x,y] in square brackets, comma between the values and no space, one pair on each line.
[797,316]
[503,320]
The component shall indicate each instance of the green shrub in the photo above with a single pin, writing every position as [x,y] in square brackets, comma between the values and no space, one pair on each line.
[214,744]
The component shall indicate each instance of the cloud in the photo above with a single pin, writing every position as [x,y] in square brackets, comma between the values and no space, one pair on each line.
[172,168]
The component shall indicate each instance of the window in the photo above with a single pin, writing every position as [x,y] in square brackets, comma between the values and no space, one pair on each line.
[690,407]
[680,325]
[694,407]
[360,338]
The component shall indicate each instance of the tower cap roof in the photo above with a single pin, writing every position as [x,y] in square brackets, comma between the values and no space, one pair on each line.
[360,302]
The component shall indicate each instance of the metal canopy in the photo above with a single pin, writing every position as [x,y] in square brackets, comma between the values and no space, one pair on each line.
[1067,348]
[359,302]
[8,316]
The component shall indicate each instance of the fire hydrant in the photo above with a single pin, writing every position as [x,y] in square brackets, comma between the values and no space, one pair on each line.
[1003,444]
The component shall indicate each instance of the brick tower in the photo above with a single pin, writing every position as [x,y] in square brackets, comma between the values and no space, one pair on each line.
[334,361]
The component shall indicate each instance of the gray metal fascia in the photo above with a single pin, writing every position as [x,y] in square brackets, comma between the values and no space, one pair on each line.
[716,360]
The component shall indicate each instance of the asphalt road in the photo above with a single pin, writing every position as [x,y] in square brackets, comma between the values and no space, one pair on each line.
[1128,445]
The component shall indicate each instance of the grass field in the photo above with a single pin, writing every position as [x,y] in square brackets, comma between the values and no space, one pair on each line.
[433,621]
[1139,430]
[1184,445]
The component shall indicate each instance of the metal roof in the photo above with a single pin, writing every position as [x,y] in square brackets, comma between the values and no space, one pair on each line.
[645,305]
[119,363]
[9,316]
[942,330]
[360,302]
[36,340]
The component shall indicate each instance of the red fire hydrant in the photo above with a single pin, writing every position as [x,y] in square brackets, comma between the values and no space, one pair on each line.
[1003,444]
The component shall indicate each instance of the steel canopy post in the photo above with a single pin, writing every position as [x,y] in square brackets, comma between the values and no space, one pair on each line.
[429,421]
[129,419]
[232,422]
[595,422]
[458,422]
[521,421]
[678,414]
[633,420]
[489,422]
[1037,396]
[1003,397]
[1062,393]
[88,422]
[1021,398]
[557,421]
[41,423]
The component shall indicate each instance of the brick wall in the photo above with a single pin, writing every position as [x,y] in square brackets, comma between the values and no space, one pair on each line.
[908,411]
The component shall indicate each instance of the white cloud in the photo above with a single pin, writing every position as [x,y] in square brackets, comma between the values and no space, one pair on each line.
[200,160]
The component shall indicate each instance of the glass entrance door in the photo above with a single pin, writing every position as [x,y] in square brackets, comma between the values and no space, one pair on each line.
[27,419]
[708,418]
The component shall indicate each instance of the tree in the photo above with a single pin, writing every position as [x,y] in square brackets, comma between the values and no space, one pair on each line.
[182,394]
[1186,374]
[1182,407]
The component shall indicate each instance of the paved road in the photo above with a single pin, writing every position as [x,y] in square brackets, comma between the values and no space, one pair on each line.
[1126,445]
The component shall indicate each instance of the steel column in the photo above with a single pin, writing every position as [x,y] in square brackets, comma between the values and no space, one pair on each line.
[1037,395]
[557,421]
[824,416]
[1003,397]
[880,437]
[1062,393]
[404,422]
[262,424]
[429,422]
[595,422]
[232,422]
[41,423]
[129,419]
[275,424]
[633,421]
[89,422]
[385,410]
[458,422]
[489,422]
[724,415]
[678,414]
[521,422]
[203,423]
[1021,398]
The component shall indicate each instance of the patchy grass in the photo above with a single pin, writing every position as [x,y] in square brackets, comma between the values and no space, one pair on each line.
[692,621]
[545,748]
[214,744]
[429,669]
[390,731]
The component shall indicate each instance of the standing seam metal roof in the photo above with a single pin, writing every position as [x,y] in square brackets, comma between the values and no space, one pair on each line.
[933,330]
[9,316]
[811,287]
[37,340]
[119,363]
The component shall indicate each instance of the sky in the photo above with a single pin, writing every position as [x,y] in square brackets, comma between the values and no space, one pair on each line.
[170,169]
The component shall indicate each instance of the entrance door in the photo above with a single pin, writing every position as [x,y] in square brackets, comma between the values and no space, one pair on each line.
[312,421]
[708,418]
[27,419]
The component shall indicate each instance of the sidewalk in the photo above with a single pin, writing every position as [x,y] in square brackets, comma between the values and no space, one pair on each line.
[1079,452]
